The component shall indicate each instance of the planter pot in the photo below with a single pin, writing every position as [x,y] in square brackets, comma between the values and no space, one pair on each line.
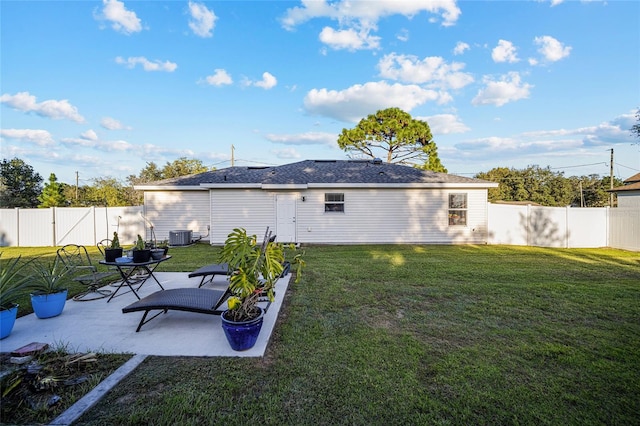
[7,320]
[48,305]
[141,256]
[156,254]
[110,255]
[244,334]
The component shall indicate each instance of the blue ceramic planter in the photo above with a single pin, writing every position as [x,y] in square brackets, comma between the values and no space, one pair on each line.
[242,335]
[48,305]
[7,320]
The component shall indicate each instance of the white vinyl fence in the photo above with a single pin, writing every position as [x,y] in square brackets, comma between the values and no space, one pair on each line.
[58,226]
[565,227]
[548,226]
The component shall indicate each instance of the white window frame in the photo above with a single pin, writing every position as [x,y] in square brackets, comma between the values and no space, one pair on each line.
[334,205]
[458,209]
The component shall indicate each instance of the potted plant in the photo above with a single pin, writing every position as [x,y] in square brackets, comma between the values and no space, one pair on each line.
[13,285]
[114,250]
[141,254]
[164,245]
[256,268]
[49,280]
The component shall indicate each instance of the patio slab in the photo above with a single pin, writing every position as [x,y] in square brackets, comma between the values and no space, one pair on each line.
[102,327]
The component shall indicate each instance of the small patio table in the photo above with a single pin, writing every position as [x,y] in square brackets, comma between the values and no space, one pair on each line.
[127,270]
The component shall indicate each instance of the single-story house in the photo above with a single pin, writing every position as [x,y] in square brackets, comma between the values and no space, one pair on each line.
[629,193]
[322,202]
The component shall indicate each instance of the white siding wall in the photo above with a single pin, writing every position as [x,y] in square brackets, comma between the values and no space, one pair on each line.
[252,209]
[175,211]
[389,216]
[629,199]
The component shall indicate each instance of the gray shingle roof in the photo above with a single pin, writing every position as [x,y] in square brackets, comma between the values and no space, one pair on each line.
[320,172]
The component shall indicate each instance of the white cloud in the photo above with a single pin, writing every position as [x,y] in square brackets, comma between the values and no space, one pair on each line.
[460,48]
[122,20]
[346,11]
[403,35]
[147,65]
[357,19]
[308,138]
[57,110]
[349,39]
[508,89]
[432,70]
[268,81]
[358,101]
[202,20]
[286,154]
[89,135]
[444,124]
[112,124]
[38,137]
[505,51]
[608,133]
[551,49]
[219,78]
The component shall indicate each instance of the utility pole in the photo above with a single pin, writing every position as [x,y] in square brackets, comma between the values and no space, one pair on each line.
[581,195]
[232,152]
[76,186]
[611,180]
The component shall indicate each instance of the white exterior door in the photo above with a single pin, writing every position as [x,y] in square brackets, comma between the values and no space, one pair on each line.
[286,218]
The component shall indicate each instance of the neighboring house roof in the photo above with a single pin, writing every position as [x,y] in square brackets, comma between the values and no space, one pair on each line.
[318,173]
[630,184]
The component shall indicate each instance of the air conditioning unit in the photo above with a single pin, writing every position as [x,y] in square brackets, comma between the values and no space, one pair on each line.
[180,238]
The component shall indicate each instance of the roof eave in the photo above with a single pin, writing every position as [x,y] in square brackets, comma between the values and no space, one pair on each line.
[435,185]
[168,188]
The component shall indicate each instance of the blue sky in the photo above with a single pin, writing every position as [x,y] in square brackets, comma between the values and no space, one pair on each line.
[103,87]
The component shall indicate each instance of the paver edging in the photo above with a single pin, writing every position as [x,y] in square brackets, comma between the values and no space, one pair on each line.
[89,400]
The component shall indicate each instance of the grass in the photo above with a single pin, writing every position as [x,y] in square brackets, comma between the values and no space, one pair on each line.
[392,335]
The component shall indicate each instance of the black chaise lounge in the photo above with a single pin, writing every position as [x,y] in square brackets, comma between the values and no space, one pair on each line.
[199,300]
[210,271]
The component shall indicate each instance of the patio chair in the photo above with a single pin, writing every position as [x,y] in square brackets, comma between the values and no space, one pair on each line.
[76,258]
[198,300]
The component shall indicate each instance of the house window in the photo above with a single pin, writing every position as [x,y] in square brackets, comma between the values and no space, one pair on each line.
[457,209]
[334,203]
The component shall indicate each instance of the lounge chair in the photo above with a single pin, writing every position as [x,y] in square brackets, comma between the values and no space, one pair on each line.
[210,271]
[198,300]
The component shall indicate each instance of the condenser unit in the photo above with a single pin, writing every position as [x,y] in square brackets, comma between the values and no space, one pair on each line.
[180,238]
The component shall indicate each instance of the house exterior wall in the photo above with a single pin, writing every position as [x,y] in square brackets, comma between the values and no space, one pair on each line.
[629,199]
[252,209]
[175,211]
[391,216]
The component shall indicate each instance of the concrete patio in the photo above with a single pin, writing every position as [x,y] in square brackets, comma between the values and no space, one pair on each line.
[102,327]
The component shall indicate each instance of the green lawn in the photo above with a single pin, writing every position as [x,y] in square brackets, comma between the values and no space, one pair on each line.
[396,335]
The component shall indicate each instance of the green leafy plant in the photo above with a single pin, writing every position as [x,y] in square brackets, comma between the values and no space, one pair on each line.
[140,245]
[49,277]
[256,268]
[14,281]
[115,242]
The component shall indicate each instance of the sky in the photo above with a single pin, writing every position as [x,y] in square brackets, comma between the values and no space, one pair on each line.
[99,89]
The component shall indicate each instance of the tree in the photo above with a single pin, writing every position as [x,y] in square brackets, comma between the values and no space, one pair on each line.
[543,186]
[107,192]
[394,132]
[19,184]
[635,129]
[180,167]
[533,184]
[53,193]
